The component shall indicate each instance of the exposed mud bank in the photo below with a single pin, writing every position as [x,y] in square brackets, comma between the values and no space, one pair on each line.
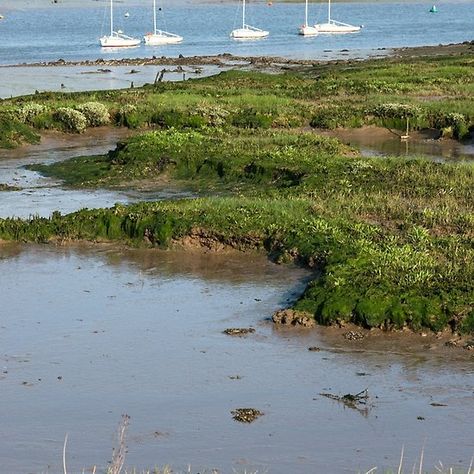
[203,240]
[222,60]
[354,339]
[343,333]
[227,59]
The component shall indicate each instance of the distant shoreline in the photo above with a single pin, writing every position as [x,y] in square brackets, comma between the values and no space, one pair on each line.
[24,4]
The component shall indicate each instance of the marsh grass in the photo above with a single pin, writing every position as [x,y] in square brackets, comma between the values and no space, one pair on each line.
[324,95]
[392,238]
[13,133]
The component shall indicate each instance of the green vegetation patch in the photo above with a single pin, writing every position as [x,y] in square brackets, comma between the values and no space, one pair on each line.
[392,239]
[13,133]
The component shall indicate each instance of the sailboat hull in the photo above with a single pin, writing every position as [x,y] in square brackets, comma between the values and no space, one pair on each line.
[307,30]
[336,27]
[249,33]
[161,38]
[117,39]
[118,42]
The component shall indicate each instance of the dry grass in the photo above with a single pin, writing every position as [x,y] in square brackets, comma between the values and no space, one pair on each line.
[418,467]
[118,454]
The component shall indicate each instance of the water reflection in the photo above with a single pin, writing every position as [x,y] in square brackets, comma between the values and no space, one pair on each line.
[383,142]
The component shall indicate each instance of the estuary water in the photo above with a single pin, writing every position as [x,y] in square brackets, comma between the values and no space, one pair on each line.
[88,334]
[58,31]
[40,196]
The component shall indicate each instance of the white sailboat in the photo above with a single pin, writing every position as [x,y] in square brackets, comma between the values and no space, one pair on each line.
[333,26]
[305,29]
[159,37]
[247,31]
[117,39]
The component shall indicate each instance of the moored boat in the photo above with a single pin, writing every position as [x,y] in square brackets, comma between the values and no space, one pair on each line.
[160,37]
[247,31]
[117,39]
[305,29]
[333,26]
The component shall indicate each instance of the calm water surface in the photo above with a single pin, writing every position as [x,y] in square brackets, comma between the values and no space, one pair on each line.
[371,141]
[56,31]
[39,195]
[90,334]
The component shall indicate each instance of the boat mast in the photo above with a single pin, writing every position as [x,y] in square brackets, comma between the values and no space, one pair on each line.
[329,11]
[111,18]
[243,14]
[154,17]
[306,14]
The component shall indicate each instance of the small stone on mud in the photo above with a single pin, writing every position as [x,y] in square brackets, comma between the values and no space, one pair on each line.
[290,317]
[314,349]
[238,331]
[469,346]
[353,336]
[246,415]
[451,343]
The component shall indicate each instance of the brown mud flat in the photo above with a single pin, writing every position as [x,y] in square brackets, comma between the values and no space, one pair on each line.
[380,134]
[354,339]
[455,49]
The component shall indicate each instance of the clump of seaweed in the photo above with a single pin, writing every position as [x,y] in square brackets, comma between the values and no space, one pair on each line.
[358,401]
[238,331]
[246,415]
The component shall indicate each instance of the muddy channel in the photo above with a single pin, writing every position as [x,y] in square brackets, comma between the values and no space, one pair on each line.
[377,141]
